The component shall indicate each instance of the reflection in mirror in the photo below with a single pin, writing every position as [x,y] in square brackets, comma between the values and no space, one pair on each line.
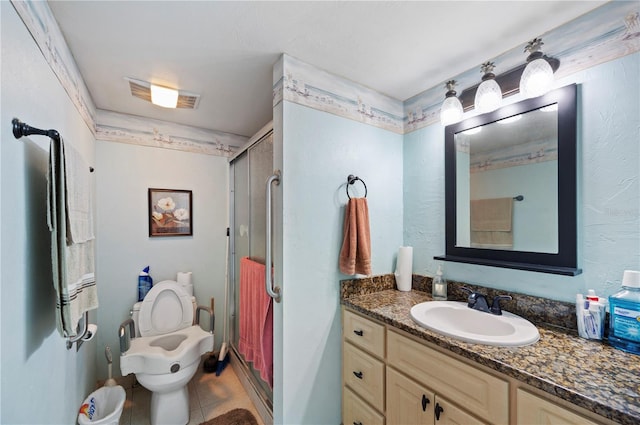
[510,186]
[507,183]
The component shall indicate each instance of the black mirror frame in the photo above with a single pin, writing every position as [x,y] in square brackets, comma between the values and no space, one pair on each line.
[565,262]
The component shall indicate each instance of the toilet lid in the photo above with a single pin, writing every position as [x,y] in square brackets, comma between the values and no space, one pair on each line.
[166,308]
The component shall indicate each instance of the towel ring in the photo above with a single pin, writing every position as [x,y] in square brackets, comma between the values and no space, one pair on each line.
[351,179]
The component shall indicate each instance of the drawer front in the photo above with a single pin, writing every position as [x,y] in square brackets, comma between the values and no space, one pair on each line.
[532,409]
[481,393]
[364,374]
[364,333]
[357,412]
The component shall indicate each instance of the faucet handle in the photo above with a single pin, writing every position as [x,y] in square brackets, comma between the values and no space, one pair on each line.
[495,305]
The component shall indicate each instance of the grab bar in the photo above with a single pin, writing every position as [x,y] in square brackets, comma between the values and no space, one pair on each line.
[124,338]
[272,291]
[212,317]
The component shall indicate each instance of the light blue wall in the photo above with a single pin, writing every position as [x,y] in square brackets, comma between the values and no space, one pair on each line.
[42,381]
[608,193]
[318,151]
[535,222]
[124,246]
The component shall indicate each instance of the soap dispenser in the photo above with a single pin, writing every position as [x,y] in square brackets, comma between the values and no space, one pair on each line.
[439,286]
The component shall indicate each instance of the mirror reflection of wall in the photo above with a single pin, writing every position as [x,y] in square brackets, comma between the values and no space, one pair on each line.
[491,171]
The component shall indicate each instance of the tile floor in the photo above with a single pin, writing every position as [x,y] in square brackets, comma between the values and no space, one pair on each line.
[209,396]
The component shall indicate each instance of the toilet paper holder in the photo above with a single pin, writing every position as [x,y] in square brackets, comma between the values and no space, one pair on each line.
[87,331]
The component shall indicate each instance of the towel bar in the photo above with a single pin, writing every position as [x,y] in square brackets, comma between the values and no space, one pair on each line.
[21,129]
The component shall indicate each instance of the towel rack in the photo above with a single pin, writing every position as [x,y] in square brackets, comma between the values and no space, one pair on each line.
[21,129]
[351,179]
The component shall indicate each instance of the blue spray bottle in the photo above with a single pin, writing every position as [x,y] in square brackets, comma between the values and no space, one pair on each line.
[144,283]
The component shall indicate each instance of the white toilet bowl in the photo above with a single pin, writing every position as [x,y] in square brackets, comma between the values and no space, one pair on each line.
[168,353]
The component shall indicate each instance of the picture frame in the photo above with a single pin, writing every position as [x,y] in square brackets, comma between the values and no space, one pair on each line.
[170,212]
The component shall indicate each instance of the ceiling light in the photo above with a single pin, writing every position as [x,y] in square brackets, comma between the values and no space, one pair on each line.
[164,96]
[451,110]
[488,96]
[537,77]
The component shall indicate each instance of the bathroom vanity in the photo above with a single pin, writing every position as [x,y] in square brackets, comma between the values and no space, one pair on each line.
[396,372]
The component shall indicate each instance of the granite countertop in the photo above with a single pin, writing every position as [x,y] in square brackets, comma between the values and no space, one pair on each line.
[586,373]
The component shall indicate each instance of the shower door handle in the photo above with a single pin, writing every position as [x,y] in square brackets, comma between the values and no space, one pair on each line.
[272,291]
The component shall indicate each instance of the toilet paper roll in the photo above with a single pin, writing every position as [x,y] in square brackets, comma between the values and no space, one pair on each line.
[184,278]
[404,268]
[91,332]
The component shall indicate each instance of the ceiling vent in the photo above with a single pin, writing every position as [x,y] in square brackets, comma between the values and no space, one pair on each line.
[142,90]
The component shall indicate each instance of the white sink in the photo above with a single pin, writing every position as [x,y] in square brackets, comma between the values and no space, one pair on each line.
[456,320]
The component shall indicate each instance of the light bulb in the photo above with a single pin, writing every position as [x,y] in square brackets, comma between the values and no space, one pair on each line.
[488,95]
[537,78]
[451,110]
[164,96]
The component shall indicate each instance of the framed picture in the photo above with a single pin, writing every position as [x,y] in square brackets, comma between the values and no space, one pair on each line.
[170,212]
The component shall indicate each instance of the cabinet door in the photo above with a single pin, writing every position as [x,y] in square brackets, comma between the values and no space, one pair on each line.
[357,412]
[364,374]
[532,409]
[450,414]
[483,394]
[407,402]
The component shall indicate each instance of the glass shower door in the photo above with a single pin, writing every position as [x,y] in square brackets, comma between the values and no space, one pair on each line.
[250,171]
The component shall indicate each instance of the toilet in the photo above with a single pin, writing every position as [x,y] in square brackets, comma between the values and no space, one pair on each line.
[167,353]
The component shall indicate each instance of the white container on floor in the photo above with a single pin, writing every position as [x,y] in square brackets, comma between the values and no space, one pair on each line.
[103,406]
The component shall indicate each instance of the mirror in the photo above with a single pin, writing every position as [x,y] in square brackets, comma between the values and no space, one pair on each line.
[510,180]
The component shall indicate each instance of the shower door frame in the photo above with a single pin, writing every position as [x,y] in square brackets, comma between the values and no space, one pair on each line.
[262,399]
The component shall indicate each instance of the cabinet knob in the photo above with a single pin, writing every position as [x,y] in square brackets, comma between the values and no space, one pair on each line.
[358,332]
[358,375]
[438,410]
[357,423]
[425,401]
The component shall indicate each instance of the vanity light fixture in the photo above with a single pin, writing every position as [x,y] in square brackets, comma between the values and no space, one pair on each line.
[451,110]
[164,96]
[537,77]
[488,96]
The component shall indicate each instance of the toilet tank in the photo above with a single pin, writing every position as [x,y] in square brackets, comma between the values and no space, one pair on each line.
[135,312]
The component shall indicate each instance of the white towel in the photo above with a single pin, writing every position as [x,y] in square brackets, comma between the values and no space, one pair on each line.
[79,208]
[73,264]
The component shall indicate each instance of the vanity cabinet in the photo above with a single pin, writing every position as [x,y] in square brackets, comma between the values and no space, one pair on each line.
[536,410]
[390,378]
[395,379]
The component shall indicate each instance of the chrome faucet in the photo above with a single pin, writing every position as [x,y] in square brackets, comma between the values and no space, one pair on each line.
[478,301]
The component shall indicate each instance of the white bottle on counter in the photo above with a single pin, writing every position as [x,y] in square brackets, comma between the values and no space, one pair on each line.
[439,286]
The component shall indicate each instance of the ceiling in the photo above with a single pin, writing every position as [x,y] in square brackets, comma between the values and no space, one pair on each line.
[224,51]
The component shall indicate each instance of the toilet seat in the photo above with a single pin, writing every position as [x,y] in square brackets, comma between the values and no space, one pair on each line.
[166,308]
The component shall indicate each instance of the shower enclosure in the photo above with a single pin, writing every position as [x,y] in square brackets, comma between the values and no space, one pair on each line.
[249,171]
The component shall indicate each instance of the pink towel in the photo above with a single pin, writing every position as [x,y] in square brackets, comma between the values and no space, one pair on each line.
[256,319]
[355,255]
